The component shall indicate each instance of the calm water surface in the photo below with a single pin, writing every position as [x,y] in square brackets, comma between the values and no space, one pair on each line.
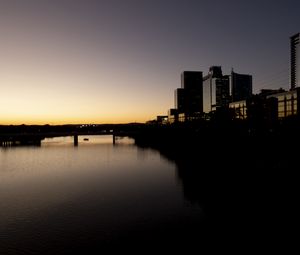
[58,198]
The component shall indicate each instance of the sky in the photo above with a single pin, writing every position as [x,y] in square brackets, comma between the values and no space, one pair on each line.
[119,61]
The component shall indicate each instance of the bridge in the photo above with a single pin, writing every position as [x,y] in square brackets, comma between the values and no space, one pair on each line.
[12,139]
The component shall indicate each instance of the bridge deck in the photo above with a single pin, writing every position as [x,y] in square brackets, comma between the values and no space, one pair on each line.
[36,138]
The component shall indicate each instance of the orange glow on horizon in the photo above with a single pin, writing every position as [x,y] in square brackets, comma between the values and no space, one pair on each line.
[63,121]
[63,104]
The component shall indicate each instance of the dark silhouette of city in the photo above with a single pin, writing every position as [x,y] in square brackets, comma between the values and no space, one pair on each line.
[234,152]
[214,105]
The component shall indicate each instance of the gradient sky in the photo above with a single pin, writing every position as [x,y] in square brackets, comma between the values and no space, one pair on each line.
[88,61]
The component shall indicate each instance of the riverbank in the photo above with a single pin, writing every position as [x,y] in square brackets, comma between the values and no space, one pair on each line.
[231,147]
[245,182]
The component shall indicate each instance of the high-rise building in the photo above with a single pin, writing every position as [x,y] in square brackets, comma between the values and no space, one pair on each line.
[215,90]
[180,100]
[189,98]
[240,86]
[295,61]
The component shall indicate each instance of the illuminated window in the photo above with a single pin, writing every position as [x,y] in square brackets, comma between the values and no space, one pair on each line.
[289,105]
[280,98]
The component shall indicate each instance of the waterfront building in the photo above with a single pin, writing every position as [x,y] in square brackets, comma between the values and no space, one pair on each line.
[287,103]
[173,115]
[268,92]
[239,109]
[180,99]
[183,117]
[240,86]
[272,105]
[161,119]
[258,111]
[190,95]
[295,61]
[215,90]
[188,98]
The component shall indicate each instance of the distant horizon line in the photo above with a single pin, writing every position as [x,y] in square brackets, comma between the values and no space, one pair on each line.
[76,124]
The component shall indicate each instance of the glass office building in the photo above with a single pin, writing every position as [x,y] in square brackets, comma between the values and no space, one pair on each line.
[215,90]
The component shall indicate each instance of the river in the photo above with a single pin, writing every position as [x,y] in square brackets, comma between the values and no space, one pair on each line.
[60,199]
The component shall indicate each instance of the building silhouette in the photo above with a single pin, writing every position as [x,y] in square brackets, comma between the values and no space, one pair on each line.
[215,90]
[200,96]
[277,104]
[239,109]
[265,103]
[287,103]
[180,100]
[173,115]
[240,86]
[190,96]
[295,58]
[219,90]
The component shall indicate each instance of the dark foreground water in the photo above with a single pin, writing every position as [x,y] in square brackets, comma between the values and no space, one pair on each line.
[60,199]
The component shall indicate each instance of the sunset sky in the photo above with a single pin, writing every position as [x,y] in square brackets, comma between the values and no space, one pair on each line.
[116,61]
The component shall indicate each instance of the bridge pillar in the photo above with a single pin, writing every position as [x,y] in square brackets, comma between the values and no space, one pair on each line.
[75,140]
[114,139]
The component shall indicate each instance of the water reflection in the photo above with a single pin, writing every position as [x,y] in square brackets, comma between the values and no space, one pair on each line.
[242,206]
[86,140]
[58,199]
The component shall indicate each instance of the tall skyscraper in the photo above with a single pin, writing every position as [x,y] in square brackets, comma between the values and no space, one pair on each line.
[295,59]
[180,100]
[189,97]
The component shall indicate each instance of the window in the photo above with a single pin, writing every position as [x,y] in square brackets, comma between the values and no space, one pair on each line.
[280,98]
[281,114]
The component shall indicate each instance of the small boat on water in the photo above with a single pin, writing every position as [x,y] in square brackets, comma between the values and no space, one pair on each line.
[85,139]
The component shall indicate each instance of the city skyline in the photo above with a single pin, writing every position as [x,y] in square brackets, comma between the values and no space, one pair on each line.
[120,61]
